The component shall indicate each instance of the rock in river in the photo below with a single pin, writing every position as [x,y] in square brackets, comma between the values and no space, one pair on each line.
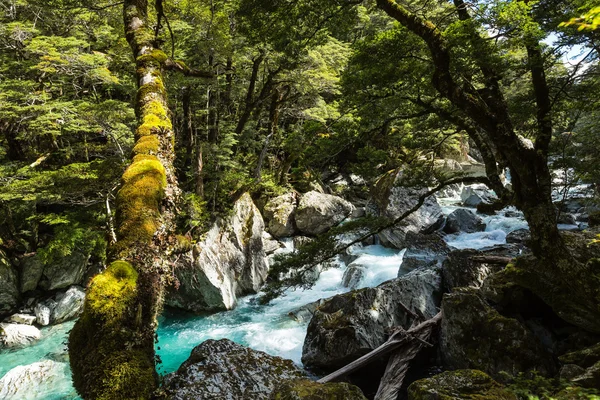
[318,212]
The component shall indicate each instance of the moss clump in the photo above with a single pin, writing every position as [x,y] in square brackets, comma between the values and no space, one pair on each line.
[466,384]
[155,55]
[146,145]
[308,390]
[139,200]
[106,364]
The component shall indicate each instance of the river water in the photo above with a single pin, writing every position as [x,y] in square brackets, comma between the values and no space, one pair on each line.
[267,328]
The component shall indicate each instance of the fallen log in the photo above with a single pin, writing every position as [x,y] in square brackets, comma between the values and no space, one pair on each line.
[396,341]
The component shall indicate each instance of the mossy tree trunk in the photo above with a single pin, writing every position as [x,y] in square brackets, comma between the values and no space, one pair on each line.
[111,347]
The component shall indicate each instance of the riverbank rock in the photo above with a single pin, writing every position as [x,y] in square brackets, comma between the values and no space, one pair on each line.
[229,262]
[70,270]
[474,195]
[465,384]
[350,325]
[222,369]
[318,212]
[459,269]
[44,379]
[353,275]
[18,335]
[474,335]
[9,285]
[43,312]
[393,200]
[69,305]
[32,269]
[519,236]
[423,251]
[463,220]
[23,319]
[309,390]
[279,215]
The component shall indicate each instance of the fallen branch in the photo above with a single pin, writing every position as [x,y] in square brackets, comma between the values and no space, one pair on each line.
[398,340]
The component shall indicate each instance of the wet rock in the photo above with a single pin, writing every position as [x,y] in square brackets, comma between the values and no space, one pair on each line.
[393,200]
[31,272]
[474,335]
[24,319]
[350,325]
[69,305]
[69,271]
[229,262]
[472,196]
[9,289]
[566,219]
[222,369]
[309,390]
[40,380]
[43,312]
[460,270]
[271,245]
[306,312]
[462,220]
[520,236]
[18,335]
[353,275]
[318,212]
[423,251]
[279,215]
[300,241]
[462,384]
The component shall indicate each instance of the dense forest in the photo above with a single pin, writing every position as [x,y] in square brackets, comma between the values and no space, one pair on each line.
[403,197]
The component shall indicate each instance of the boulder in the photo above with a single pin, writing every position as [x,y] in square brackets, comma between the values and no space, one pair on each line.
[460,270]
[464,384]
[462,220]
[300,241]
[304,389]
[590,378]
[566,219]
[423,251]
[472,196]
[69,271]
[318,212]
[393,200]
[353,275]
[9,285]
[222,369]
[271,245]
[350,325]
[305,313]
[18,335]
[41,380]
[69,305]
[31,272]
[279,215]
[520,236]
[229,262]
[24,319]
[43,312]
[474,335]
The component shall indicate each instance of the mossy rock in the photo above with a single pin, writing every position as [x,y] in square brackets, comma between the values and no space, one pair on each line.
[584,358]
[309,390]
[476,336]
[466,384]
[106,364]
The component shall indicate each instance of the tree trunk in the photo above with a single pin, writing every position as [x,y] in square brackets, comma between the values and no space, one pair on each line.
[273,121]
[111,346]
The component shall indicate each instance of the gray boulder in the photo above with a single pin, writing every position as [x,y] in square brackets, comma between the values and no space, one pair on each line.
[69,271]
[18,335]
[41,380]
[474,335]
[353,275]
[462,220]
[318,212]
[31,272]
[350,325]
[393,200]
[9,285]
[24,319]
[279,215]
[303,389]
[271,245]
[69,305]
[423,251]
[222,369]
[472,196]
[520,236]
[43,312]
[228,263]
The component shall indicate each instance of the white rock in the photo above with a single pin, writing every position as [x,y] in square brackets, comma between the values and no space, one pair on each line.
[24,319]
[43,312]
[18,335]
[40,380]
[69,306]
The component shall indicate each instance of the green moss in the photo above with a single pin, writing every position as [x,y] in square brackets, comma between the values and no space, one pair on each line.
[147,145]
[461,384]
[106,363]
[308,390]
[155,55]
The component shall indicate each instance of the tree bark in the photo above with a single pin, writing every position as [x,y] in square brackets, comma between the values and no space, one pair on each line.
[111,346]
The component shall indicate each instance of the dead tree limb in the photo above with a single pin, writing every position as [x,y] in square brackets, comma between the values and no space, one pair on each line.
[398,340]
